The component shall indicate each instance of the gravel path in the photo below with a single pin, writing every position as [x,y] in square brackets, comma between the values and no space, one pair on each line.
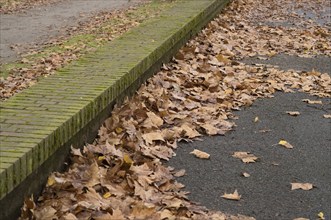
[22,31]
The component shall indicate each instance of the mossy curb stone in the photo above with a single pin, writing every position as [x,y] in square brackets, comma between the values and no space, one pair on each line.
[39,125]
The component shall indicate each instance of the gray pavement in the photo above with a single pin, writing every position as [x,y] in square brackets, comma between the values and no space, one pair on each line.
[20,31]
[267,194]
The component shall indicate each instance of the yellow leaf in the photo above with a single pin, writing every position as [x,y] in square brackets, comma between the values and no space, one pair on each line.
[200,154]
[101,157]
[106,195]
[118,130]
[127,159]
[285,144]
[303,186]
[51,180]
[232,196]
[321,215]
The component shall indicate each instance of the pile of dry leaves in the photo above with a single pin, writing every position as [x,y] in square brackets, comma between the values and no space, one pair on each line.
[121,175]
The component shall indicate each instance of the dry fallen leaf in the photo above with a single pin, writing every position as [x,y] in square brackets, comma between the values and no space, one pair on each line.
[246,157]
[153,136]
[232,196]
[321,215]
[106,195]
[51,180]
[180,173]
[285,144]
[246,174]
[200,154]
[303,186]
[166,214]
[312,101]
[327,116]
[293,113]
[301,218]
[256,119]
[69,216]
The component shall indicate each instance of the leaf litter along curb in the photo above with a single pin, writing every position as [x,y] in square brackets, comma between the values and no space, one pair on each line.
[192,96]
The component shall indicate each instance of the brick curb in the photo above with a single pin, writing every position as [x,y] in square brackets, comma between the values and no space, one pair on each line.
[39,125]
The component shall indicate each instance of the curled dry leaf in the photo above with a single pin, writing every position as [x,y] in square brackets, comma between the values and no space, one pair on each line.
[200,154]
[285,144]
[246,157]
[189,132]
[303,186]
[256,119]
[326,116]
[166,214]
[232,196]
[312,101]
[210,129]
[69,216]
[180,173]
[153,136]
[293,113]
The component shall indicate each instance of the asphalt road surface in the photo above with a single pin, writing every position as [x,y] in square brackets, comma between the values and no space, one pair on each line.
[267,193]
[21,31]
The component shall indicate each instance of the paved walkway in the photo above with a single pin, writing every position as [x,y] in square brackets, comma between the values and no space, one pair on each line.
[34,27]
[267,193]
